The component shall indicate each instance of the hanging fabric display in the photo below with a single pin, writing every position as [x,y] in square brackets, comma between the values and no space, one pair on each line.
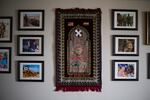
[78,49]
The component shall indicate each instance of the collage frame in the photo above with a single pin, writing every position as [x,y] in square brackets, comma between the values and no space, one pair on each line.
[38,14]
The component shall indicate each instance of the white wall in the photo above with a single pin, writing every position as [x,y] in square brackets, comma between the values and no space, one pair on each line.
[10,89]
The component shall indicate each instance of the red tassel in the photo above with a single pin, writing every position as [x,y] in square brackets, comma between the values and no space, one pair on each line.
[78,88]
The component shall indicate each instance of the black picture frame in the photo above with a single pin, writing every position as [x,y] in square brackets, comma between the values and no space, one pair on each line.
[32,20]
[5,59]
[124,19]
[31,71]
[147,28]
[148,65]
[125,45]
[30,45]
[125,70]
[6,29]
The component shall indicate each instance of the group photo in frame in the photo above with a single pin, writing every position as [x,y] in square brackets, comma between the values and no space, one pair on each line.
[124,19]
[30,45]
[125,70]
[5,29]
[31,20]
[5,59]
[125,45]
[31,71]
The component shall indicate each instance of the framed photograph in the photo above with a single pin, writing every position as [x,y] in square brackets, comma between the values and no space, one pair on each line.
[147,28]
[5,60]
[5,29]
[30,45]
[125,70]
[123,19]
[125,45]
[31,20]
[31,71]
[148,66]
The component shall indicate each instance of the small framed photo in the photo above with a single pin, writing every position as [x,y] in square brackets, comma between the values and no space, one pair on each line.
[148,66]
[5,29]
[147,28]
[125,45]
[30,45]
[31,20]
[125,70]
[5,60]
[31,71]
[123,19]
